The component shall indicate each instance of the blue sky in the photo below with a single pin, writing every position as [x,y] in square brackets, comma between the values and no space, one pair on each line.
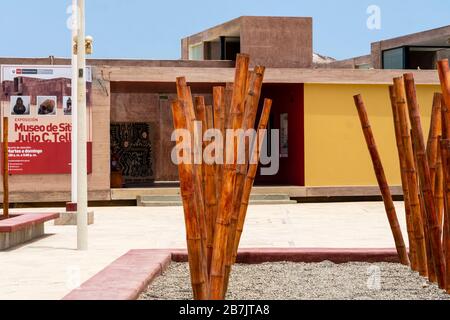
[152,29]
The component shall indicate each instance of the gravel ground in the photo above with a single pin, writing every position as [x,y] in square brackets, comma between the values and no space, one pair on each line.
[306,281]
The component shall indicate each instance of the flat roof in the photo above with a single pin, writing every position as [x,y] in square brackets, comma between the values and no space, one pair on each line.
[273,75]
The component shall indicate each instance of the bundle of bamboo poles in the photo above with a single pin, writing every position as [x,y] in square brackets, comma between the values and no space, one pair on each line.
[425,176]
[216,195]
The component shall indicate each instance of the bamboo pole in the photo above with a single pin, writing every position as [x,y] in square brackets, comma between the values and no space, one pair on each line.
[430,261]
[219,124]
[444,76]
[425,179]
[433,138]
[411,176]
[185,97]
[381,177]
[254,88]
[200,115]
[439,189]
[210,192]
[251,174]
[445,152]
[404,178]
[193,234]
[5,168]
[217,271]
[434,156]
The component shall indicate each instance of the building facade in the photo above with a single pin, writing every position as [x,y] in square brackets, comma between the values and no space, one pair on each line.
[327,154]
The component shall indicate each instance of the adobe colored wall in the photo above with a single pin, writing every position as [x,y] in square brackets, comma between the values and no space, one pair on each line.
[278,42]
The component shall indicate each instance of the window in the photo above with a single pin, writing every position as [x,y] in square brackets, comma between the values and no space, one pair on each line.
[196,52]
[394,59]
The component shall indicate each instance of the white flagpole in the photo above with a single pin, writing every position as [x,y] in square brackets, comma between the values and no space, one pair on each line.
[82,192]
[74,102]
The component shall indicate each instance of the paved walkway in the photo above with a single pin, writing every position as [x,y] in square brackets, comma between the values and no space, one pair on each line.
[50,267]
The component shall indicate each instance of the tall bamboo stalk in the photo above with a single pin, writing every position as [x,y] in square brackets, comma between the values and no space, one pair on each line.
[200,116]
[445,152]
[217,271]
[404,178]
[434,156]
[251,108]
[425,179]
[444,76]
[185,97]
[411,176]
[251,173]
[199,274]
[210,192]
[382,182]
[433,138]
[430,261]
[219,124]
[5,168]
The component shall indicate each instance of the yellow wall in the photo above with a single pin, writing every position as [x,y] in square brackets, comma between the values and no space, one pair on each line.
[335,150]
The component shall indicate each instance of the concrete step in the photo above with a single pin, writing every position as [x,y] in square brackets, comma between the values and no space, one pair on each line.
[180,204]
[175,201]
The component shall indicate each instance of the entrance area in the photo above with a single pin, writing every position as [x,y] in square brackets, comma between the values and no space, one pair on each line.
[141,128]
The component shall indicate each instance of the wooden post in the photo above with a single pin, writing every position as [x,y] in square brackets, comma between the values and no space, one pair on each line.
[217,271]
[381,177]
[425,179]
[199,274]
[5,169]
[251,174]
[404,178]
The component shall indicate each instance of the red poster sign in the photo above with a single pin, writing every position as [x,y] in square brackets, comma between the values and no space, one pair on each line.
[38,102]
[43,158]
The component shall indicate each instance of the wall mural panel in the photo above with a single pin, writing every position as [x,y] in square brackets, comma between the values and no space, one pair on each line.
[132,153]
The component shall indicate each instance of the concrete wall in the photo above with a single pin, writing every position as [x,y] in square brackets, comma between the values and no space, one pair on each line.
[278,42]
[335,150]
[426,37]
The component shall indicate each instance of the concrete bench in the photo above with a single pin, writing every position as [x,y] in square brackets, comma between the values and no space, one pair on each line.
[21,228]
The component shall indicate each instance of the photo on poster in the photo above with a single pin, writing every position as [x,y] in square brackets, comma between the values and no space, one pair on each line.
[20,105]
[67,101]
[47,105]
